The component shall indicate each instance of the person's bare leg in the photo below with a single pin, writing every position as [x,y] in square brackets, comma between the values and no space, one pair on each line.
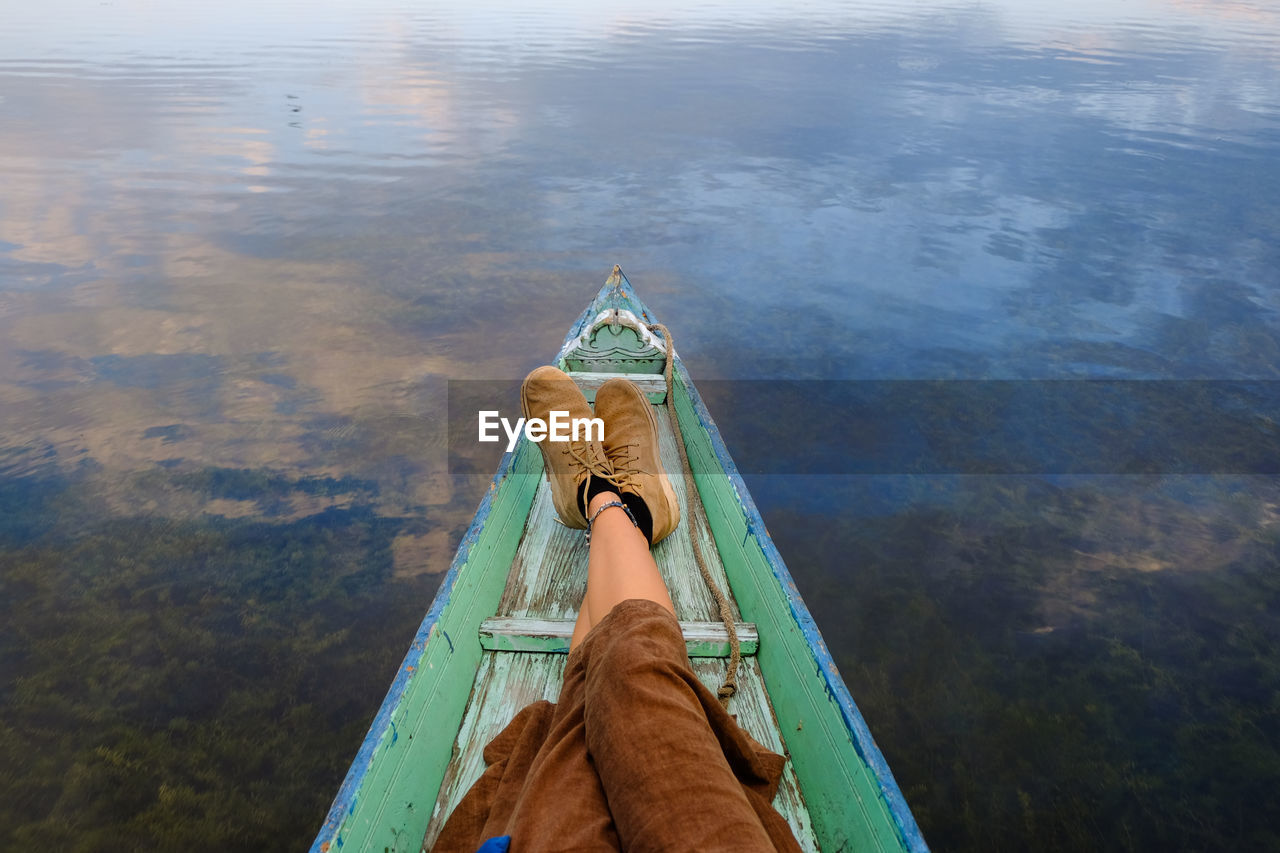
[619,565]
[582,626]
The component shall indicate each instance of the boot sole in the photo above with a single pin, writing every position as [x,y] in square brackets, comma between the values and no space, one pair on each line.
[546,461]
[665,479]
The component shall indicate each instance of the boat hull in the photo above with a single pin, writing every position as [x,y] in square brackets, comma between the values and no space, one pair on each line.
[390,794]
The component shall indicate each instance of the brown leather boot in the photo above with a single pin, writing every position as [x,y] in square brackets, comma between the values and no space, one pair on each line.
[631,442]
[567,463]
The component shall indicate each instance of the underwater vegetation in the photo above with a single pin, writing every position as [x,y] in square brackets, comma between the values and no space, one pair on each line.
[1084,666]
[1047,663]
[188,685]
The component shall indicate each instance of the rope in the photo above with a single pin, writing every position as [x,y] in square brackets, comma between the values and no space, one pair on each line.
[730,685]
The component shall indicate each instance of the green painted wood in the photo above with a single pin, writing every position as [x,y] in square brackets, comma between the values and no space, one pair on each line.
[653,385]
[674,554]
[393,804]
[616,341]
[508,682]
[549,574]
[842,794]
[504,684]
[615,350]
[524,564]
[552,636]
[755,715]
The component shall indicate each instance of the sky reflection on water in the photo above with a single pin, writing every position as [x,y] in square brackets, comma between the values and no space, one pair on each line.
[246,246]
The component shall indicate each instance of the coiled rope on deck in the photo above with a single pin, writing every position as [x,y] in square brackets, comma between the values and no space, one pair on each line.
[730,685]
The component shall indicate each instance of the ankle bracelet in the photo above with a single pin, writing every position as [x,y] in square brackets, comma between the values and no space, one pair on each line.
[602,508]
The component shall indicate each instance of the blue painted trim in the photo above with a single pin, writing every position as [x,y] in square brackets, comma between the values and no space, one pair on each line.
[857,726]
[605,297]
[344,803]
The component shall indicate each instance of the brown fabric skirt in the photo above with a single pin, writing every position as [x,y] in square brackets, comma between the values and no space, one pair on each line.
[637,755]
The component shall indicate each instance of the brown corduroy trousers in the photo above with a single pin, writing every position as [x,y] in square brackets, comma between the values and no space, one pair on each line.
[636,755]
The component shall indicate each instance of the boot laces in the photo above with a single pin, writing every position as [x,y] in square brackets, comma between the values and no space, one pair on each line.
[584,457]
[625,459]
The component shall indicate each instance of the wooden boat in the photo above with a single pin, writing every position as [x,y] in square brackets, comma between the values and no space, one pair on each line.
[495,637]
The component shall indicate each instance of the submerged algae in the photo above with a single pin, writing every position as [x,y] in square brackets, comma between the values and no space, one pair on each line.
[197,684]
[1075,666]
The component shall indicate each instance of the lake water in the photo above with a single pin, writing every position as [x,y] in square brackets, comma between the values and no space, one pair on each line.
[244,247]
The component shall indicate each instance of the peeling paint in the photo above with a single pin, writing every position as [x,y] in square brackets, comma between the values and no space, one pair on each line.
[860,736]
[539,585]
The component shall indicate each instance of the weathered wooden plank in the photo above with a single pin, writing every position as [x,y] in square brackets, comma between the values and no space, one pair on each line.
[615,339]
[507,683]
[751,706]
[431,728]
[549,574]
[516,634]
[652,384]
[674,555]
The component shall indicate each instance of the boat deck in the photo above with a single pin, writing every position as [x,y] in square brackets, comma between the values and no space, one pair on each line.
[524,658]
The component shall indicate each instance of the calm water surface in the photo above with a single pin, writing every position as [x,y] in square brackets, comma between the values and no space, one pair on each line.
[245,246]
